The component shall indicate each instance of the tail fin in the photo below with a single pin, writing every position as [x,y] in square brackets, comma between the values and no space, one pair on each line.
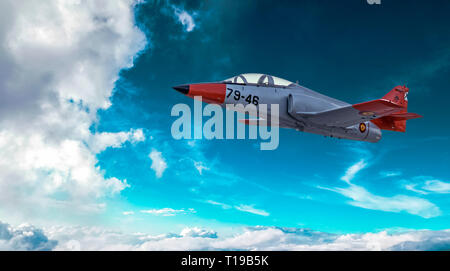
[396,121]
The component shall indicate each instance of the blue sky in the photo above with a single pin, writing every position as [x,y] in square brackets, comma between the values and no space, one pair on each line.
[354,52]
[93,138]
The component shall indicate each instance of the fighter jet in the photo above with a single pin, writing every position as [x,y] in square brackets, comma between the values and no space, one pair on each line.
[306,110]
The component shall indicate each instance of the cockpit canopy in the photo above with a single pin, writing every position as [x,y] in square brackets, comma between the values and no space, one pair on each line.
[259,79]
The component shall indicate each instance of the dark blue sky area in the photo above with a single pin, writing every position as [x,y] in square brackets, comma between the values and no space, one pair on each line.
[349,50]
[345,49]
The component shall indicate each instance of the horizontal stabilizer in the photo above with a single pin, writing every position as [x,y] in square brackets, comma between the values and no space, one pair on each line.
[405,116]
[395,122]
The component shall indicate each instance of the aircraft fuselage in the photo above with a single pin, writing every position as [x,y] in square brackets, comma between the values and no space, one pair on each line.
[306,110]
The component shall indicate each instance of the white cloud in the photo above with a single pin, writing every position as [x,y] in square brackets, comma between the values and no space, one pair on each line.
[100,141]
[159,165]
[427,185]
[200,167]
[115,185]
[24,237]
[241,207]
[251,209]
[437,186]
[184,18]
[353,170]
[398,203]
[128,213]
[60,61]
[251,238]
[168,211]
[198,232]
[28,237]
[412,187]
[138,136]
[223,205]
[191,143]
[387,174]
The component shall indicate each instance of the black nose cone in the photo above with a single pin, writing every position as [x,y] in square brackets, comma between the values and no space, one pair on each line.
[182,89]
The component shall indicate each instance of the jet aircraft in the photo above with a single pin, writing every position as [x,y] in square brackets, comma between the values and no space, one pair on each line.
[306,110]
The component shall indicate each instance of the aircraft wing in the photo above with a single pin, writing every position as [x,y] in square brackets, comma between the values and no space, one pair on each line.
[353,114]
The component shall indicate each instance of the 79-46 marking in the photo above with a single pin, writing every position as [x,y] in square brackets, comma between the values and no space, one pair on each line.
[250,99]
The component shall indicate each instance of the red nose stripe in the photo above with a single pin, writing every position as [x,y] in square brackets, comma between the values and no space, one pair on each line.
[211,93]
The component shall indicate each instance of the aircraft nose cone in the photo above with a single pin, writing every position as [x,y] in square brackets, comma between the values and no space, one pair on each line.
[182,89]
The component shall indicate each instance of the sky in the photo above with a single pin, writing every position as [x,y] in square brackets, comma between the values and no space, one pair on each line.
[88,160]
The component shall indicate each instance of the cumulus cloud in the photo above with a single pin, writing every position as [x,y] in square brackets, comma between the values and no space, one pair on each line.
[198,232]
[24,237]
[184,18]
[28,237]
[159,165]
[249,238]
[100,141]
[398,203]
[115,185]
[59,62]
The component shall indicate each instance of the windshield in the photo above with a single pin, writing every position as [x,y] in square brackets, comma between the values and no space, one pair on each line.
[259,79]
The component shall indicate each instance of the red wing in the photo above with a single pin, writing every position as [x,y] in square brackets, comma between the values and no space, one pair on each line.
[396,121]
